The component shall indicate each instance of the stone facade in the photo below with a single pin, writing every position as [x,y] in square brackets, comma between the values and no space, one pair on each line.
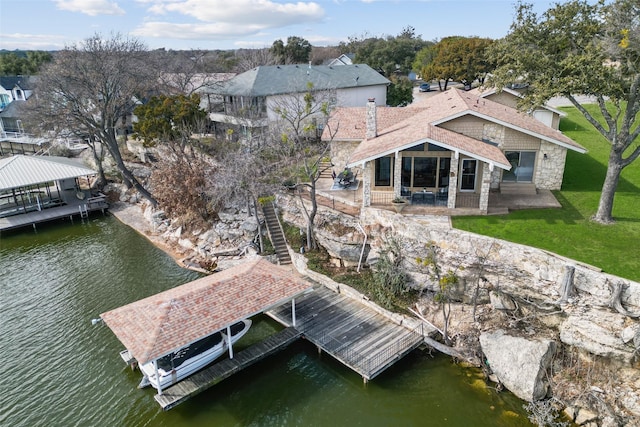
[550,166]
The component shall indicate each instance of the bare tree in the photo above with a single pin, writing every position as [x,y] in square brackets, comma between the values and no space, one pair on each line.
[90,87]
[252,58]
[301,118]
[447,282]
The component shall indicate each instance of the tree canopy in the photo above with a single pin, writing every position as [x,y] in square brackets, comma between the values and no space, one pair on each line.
[455,58]
[391,56]
[23,63]
[88,88]
[169,119]
[581,48]
[296,51]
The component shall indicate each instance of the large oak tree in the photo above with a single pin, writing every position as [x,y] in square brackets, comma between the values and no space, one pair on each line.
[90,87]
[461,59]
[581,48]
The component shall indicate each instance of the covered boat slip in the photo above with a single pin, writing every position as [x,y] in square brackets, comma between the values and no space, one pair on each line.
[35,189]
[166,322]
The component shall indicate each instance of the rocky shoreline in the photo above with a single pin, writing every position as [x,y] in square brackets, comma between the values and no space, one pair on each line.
[579,351]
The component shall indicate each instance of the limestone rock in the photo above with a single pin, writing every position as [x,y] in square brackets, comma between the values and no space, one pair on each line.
[629,333]
[520,364]
[501,301]
[186,243]
[598,332]
[250,225]
[347,251]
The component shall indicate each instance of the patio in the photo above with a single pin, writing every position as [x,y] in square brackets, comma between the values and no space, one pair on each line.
[350,201]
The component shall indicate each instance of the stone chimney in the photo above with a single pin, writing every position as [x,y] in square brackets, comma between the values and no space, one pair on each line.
[372,125]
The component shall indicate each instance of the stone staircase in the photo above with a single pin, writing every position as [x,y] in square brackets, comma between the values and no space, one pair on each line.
[518,188]
[325,168]
[276,234]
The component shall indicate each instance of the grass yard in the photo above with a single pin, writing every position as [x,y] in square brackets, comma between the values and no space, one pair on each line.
[568,231]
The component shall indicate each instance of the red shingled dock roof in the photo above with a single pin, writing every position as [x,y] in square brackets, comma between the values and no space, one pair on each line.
[160,324]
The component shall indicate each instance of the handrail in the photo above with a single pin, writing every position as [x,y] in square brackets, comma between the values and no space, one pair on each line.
[364,361]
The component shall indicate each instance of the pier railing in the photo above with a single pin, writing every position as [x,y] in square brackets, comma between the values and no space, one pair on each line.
[368,361]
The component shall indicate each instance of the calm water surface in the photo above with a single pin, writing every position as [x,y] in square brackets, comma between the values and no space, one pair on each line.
[59,370]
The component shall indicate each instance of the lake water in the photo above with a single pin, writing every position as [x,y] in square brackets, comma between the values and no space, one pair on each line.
[59,370]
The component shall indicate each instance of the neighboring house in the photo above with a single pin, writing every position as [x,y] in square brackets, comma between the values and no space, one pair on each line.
[455,147]
[248,102]
[200,83]
[511,96]
[14,88]
[344,59]
[14,93]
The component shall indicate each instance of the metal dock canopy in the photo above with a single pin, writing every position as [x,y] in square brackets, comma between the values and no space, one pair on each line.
[160,324]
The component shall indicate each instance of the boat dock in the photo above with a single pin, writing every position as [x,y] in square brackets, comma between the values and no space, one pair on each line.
[351,332]
[80,208]
[212,375]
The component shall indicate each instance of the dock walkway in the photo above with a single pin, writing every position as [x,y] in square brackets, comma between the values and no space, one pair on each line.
[212,375]
[351,332]
[79,208]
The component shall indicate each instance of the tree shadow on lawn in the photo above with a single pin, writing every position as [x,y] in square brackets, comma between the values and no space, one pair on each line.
[568,214]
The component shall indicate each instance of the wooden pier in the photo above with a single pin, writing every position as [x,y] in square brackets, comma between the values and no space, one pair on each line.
[80,208]
[212,375]
[351,332]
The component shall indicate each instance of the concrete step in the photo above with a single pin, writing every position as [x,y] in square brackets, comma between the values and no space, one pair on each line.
[325,169]
[518,188]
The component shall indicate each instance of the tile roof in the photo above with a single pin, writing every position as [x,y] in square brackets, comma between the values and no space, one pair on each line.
[484,92]
[20,170]
[349,123]
[404,127]
[460,103]
[284,79]
[160,324]
[415,131]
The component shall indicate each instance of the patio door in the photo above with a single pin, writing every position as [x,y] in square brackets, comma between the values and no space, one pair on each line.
[522,163]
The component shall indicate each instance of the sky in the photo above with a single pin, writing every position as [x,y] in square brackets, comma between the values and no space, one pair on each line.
[235,24]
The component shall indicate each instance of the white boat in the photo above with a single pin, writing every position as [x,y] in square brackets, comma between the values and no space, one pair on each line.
[179,365]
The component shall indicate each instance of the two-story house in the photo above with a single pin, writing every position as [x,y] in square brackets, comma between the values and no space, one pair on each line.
[246,104]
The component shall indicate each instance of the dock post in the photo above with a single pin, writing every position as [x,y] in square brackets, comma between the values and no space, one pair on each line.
[155,368]
[229,342]
[293,312]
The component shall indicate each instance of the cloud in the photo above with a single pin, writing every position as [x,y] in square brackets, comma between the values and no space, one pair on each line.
[193,31]
[31,41]
[219,19]
[90,7]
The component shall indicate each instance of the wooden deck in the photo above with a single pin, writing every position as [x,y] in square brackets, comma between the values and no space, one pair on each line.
[353,333]
[212,375]
[79,208]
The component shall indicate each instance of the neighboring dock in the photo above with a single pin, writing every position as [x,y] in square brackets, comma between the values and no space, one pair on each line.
[353,333]
[212,375]
[80,208]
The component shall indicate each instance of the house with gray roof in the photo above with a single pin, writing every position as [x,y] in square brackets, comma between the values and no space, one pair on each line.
[14,88]
[248,102]
[450,151]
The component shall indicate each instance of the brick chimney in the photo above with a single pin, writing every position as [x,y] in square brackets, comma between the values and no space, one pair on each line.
[372,125]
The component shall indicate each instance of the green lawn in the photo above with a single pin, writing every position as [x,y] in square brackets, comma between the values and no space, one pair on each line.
[568,231]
